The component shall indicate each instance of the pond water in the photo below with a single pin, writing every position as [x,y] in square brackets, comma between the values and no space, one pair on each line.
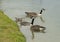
[17,8]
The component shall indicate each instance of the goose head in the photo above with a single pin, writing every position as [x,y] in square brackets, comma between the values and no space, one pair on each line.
[42,10]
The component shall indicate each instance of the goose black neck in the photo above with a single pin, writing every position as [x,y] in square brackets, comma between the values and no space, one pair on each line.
[32,21]
[41,11]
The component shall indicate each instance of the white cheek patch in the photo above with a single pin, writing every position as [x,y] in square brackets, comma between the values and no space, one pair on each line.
[41,28]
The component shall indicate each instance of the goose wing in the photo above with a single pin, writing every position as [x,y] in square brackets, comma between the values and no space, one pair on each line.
[31,13]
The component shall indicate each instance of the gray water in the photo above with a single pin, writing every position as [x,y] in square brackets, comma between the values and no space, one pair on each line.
[16,8]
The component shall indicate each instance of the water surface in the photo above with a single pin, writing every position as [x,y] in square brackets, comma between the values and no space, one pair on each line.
[16,8]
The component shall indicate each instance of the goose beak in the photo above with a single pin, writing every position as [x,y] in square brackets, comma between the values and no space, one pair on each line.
[42,19]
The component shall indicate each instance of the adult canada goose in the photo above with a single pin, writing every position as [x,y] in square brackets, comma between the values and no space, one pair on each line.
[21,22]
[33,14]
[36,28]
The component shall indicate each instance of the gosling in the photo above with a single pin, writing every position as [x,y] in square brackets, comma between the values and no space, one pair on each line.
[21,22]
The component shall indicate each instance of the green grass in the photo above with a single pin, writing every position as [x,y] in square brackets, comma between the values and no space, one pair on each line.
[9,31]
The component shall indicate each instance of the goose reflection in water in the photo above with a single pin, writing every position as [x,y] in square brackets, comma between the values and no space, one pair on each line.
[36,28]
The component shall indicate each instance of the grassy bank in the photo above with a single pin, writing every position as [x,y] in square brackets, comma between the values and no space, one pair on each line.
[9,31]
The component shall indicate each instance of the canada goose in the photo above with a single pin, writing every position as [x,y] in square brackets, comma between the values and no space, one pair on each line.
[21,22]
[36,28]
[33,14]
